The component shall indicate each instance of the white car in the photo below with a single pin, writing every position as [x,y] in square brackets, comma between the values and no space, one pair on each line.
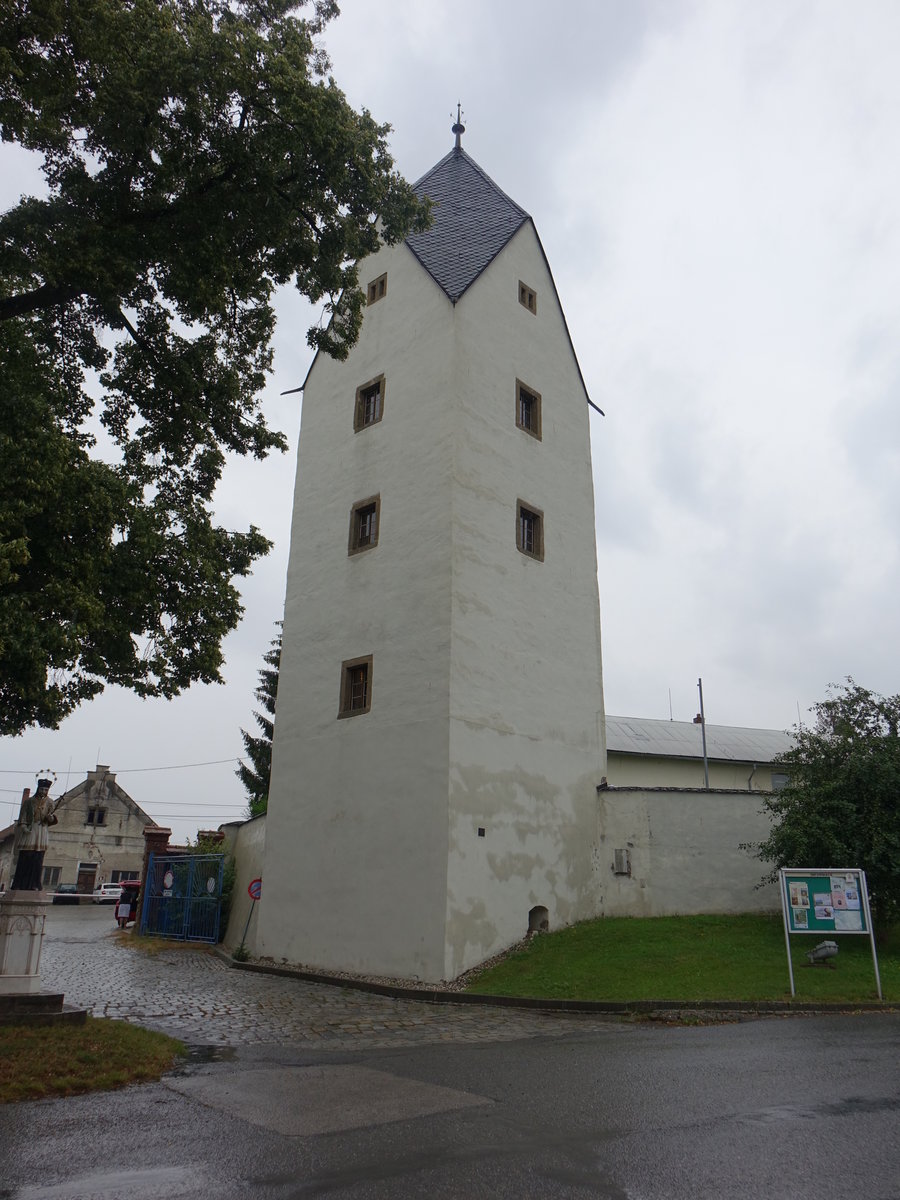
[107,893]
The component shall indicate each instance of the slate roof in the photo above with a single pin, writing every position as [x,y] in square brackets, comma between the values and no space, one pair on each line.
[683,739]
[473,221]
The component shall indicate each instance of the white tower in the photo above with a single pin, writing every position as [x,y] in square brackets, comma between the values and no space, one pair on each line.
[439,729]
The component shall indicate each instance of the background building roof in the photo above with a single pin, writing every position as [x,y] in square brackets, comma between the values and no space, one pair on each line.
[683,739]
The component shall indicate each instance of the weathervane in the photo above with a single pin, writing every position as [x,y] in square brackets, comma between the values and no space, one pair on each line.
[459,129]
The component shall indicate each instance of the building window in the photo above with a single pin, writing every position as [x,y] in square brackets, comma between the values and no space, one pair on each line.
[51,877]
[530,530]
[622,862]
[96,816]
[377,289]
[528,297]
[779,781]
[356,686]
[528,409]
[118,876]
[364,522]
[369,404]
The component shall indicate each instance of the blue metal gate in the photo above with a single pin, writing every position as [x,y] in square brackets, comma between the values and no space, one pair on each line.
[183,897]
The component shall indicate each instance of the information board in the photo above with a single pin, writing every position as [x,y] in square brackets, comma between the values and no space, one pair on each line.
[825,901]
[833,900]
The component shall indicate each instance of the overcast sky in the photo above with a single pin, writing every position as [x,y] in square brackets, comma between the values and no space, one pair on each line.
[717,187]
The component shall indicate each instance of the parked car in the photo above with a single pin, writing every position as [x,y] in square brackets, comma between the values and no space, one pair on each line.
[126,908]
[66,893]
[107,893]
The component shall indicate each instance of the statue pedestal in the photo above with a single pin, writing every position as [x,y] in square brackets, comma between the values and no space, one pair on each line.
[22,916]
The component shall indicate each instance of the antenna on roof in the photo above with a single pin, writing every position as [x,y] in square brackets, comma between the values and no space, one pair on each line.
[459,129]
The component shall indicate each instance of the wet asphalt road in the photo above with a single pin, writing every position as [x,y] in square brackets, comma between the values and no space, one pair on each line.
[784,1107]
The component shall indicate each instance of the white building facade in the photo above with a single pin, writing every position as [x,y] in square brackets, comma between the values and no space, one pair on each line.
[439,731]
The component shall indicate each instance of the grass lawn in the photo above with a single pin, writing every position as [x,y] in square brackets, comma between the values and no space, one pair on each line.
[152,946]
[62,1060]
[690,958]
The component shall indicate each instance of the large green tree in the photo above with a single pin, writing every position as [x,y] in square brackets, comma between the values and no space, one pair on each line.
[841,804]
[197,156]
[254,774]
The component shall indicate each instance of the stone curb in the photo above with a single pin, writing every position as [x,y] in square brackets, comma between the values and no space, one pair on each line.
[610,1007]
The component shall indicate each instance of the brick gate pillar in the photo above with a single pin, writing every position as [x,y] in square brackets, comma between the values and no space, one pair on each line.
[156,841]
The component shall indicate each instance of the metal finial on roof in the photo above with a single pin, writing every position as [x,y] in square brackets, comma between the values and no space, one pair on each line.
[459,129]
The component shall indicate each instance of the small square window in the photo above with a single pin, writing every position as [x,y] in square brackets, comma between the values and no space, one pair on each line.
[369,407]
[528,409]
[528,297]
[377,289]
[96,816]
[364,522]
[530,531]
[51,877]
[356,686]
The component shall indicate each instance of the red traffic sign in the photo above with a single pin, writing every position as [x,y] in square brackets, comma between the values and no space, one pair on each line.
[254,891]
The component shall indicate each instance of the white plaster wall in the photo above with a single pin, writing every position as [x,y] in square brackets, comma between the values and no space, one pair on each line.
[246,844]
[487,695]
[356,841]
[526,695]
[685,853]
[639,770]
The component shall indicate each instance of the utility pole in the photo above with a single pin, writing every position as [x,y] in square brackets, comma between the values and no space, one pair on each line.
[700,720]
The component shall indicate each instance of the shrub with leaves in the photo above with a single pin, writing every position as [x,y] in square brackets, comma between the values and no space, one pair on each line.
[841,804]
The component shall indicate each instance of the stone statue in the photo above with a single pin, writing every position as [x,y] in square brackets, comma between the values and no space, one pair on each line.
[37,814]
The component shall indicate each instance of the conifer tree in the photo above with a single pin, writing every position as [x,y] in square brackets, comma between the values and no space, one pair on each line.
[255,775]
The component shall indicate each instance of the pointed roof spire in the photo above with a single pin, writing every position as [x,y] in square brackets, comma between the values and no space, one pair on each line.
[473,221]
[459,129]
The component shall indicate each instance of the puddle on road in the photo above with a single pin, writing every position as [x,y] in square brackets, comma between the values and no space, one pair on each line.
[811,1112]
[210,1054]
[149,1184]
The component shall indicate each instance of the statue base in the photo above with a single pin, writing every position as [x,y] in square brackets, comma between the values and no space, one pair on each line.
[22,916]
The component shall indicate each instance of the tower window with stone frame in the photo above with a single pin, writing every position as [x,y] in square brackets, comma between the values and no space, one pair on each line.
[369,407]
[530,530]
[365,519]
[356,686]
[528,409]
[528,297]
[377,289]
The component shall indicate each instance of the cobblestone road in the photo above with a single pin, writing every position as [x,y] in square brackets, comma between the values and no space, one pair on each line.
[194,995]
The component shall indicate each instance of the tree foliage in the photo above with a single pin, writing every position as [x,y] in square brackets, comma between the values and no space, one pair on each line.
[841,804]
[255,775]
[197,156]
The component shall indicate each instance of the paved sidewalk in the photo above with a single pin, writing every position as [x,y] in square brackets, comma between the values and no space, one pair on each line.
[194,995]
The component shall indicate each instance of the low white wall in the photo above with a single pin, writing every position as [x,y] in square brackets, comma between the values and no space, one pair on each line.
[684,847]
[247,843]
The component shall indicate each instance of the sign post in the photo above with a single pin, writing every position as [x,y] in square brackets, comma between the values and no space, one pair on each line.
[831,900]
[254,891]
